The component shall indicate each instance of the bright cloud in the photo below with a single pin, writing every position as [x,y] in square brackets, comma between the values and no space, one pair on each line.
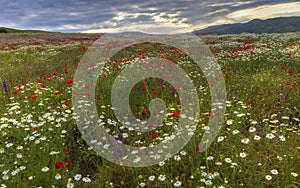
[151,16]
[266,11]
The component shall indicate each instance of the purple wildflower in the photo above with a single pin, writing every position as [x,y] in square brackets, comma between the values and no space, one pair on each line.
[5,87]
[286,97]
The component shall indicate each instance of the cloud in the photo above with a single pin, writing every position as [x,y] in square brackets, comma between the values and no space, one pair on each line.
[266,11]
[217,12]
[146,16]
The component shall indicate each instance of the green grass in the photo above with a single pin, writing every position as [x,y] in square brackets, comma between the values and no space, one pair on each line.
[263,90]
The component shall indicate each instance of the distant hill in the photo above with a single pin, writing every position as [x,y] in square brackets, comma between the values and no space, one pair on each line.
[272,25]
[11,30]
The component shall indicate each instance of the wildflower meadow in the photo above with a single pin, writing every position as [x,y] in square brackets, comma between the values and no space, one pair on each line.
[258,142]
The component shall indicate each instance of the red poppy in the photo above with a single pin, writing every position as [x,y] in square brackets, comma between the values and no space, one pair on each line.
[87,86]
[175,114]
[288,83]
[246,47]
[153,135]
[66,150]
[88,94]
[56,93]
[146,110]
[41,87]
[59,165]
[197,148]
[48,77]
[68,163]
[291,71]
[213,115]
[175,89]
[69,82]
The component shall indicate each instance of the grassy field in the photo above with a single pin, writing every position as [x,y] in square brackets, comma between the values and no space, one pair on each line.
[258,145]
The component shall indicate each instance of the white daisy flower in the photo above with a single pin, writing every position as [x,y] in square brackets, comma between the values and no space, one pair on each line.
[45,169]
[245,140]
[77,177]
[270,136]
[274,172]
[177,184]
[151,178]
[177,158]
[57,176]
[243,155]
[220,138]
[268,177]
[294,174]
[256,137]
[161,177]
[252,129]
[86,180]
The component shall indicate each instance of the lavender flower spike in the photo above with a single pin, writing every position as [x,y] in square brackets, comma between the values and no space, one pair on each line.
[5,87]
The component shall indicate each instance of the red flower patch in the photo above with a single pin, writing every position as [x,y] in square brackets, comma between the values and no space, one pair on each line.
[197,148]
[70,82]
[66,150]
[175,114]
[59,165]
[146,110]
[68,163]
[153,135]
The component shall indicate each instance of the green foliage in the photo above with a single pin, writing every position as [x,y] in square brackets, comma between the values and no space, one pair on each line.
[38,128]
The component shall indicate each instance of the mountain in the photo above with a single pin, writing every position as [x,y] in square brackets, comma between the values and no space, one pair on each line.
[11,30]
[272,25]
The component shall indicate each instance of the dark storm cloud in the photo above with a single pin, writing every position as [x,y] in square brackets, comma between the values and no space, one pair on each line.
[75,15]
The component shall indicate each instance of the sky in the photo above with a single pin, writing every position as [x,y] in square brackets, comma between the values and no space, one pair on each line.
[149,16]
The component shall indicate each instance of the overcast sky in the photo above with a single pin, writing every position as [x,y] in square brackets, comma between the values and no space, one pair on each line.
[151,16]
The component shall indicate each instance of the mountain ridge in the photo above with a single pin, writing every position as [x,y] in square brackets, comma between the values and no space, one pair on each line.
[258,26]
